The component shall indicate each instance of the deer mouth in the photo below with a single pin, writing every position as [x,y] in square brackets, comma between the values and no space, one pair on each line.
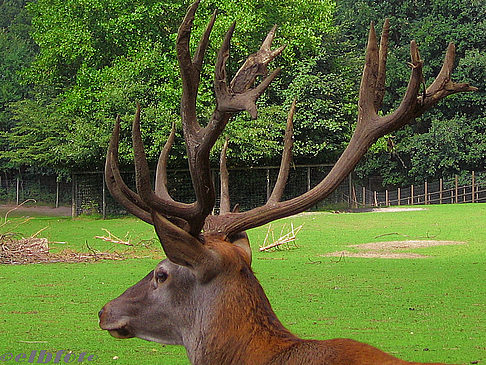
[121,333]
[118,329]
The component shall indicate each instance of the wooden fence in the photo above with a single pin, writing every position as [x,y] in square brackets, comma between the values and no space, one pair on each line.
[444,191]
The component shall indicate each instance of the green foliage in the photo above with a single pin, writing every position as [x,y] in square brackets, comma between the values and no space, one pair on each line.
[97,58]
[325,87]
[16,52]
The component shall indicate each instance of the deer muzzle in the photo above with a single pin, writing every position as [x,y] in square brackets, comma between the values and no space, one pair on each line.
[117,327]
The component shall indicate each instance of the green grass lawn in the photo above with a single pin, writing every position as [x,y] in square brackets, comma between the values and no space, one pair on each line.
[431,309]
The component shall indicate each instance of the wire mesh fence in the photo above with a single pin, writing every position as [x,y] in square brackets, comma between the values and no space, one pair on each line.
[249,188]
[44,189]
[86,192]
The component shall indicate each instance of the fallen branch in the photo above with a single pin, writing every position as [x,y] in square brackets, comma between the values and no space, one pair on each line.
[17,207]
[39,231]
[286,238]
[391,234]
[113,239]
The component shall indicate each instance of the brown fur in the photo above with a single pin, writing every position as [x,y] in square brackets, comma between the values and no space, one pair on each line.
[233,324]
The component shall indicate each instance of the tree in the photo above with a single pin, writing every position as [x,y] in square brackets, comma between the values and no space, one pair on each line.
[96,58]
[16,52]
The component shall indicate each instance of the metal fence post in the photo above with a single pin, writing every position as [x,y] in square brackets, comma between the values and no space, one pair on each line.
[308,178]
[268,184]
[104,195]
[18,191]
[350,191]
[57,193]
[73,196]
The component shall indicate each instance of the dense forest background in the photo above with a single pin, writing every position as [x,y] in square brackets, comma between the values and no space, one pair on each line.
[68,67]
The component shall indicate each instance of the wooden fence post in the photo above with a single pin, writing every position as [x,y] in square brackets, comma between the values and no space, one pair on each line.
[364,196]
[57,193]
[441,186]
[387,202]
[411,194]
[473,180]
[456,181]
[375,198]
[399,195]
[426,193]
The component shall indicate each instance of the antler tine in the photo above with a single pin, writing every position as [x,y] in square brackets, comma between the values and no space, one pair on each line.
[191,68]
[117,187]
[223,55]
[236,98]
[367,90]
[381,78]
[405,112]
[256,64]
[445,73]
[142,174]
[198,58]
[267,43]
[225,204]
[283,173]
[183,38]
[161,173]
[443,85]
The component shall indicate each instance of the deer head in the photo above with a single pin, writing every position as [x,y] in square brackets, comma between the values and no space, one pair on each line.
[204,296]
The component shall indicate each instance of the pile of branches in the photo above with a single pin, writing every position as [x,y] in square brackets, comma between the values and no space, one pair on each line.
[33,250]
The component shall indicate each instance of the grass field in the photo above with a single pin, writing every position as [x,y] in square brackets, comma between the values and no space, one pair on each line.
[431,309]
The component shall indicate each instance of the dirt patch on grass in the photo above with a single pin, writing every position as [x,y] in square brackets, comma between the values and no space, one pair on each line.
[41,210]
[386,209]
[391,249]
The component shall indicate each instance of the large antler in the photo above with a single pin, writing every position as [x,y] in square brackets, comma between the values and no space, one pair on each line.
[370,126]
[158,207]
[178,225]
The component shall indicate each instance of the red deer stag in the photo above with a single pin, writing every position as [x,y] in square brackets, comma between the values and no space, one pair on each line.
[204,296]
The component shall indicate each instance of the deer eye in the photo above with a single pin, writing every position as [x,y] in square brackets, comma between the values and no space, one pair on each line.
[161,276]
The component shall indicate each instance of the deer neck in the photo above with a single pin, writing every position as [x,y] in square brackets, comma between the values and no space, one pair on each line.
[240,328]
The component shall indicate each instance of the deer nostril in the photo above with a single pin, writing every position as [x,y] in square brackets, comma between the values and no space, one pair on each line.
[100,313]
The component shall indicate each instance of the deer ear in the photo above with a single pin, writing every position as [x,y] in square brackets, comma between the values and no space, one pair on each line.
[241,240]
[184,249]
